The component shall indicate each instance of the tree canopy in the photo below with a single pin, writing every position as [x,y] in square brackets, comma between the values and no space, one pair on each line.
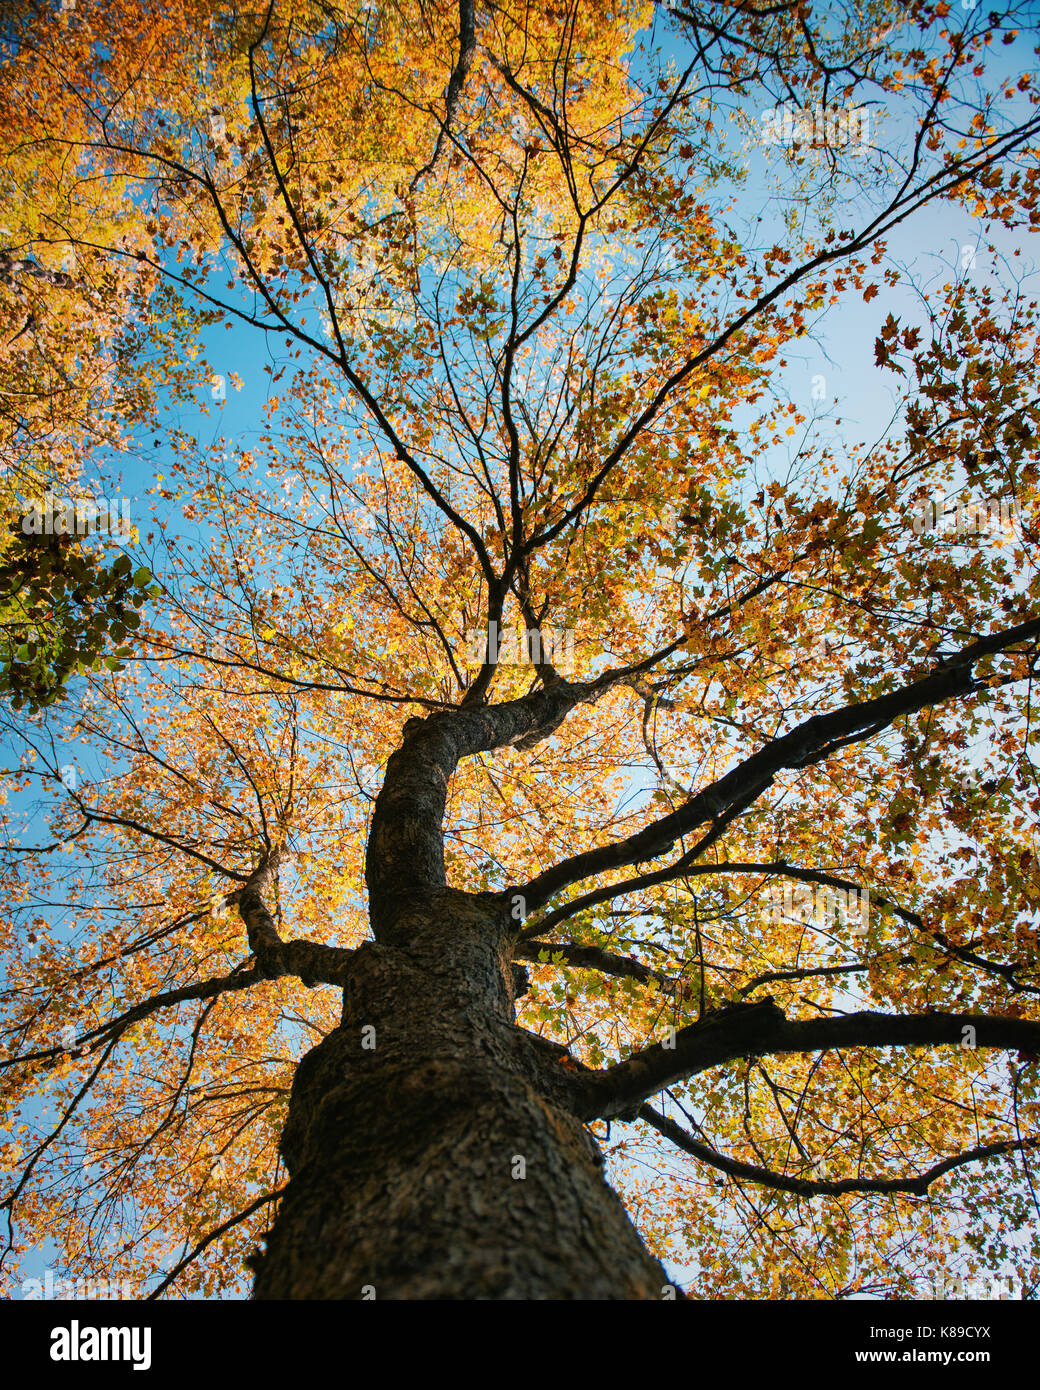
[537,580]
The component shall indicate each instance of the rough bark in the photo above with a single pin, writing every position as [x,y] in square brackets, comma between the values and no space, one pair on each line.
[443,1159]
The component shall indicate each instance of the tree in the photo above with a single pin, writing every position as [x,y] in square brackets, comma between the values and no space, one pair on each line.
[536,734]
[62,608]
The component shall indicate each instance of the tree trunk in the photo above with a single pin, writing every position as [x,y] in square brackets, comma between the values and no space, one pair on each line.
[429,1144]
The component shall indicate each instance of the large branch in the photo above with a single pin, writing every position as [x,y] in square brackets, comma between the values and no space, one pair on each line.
[809,743]
[805,1187]
[456,82]
[757,1030]
[595,958]
[112,1029]
[312,961]
[405,859]
[406,844]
